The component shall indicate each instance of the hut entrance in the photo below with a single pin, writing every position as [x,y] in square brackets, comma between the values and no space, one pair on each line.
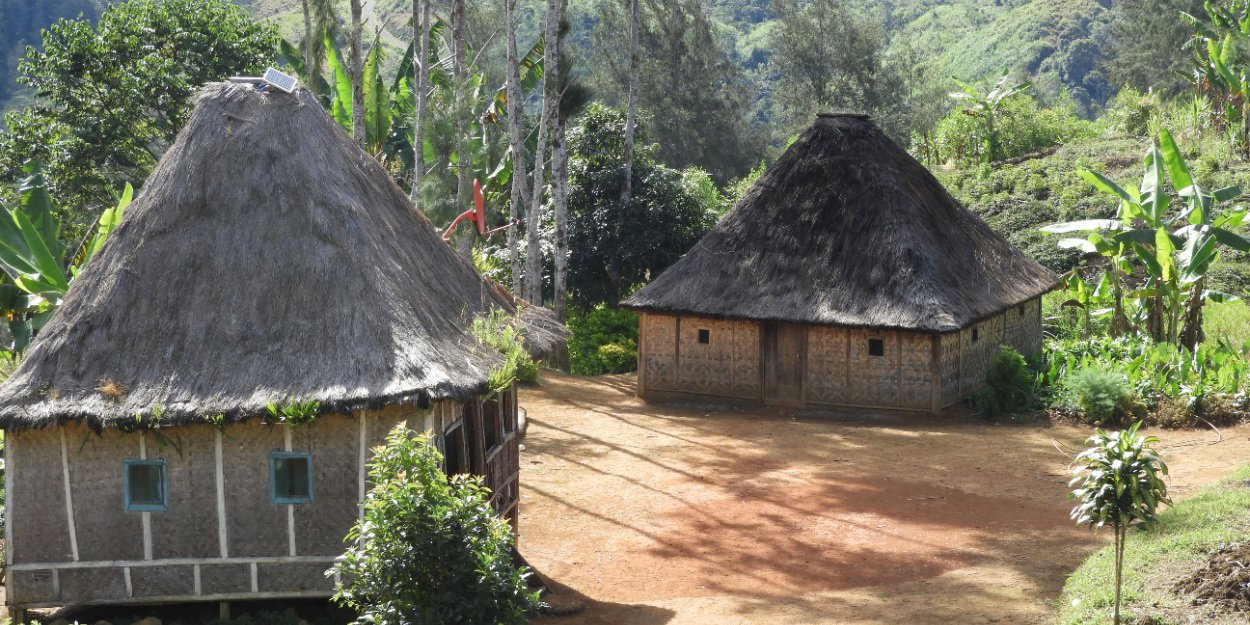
[783,363]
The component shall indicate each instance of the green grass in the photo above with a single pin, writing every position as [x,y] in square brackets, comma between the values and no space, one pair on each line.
[1154,560]
[1229,321]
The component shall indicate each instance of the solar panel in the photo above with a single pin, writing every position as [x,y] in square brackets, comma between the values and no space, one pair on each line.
[285,82]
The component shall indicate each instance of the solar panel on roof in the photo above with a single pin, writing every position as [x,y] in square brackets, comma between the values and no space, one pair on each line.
[285,82]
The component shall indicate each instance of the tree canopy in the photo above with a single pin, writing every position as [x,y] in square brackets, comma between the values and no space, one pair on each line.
[112,96]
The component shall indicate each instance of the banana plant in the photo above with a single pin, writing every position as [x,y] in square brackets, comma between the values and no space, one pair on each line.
[984,107]
[1175,251]
[1219,71]
[390,106]
[37,268]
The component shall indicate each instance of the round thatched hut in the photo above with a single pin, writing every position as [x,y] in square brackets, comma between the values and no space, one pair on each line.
[846,276]
[195,420]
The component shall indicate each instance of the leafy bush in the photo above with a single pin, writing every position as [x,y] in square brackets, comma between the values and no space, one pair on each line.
[429,549]
[1008,384]
[505,333]
[1023,127]
[1131,112]
[604,340]
[1102,396]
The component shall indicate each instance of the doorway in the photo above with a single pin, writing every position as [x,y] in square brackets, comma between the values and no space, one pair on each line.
[783,347]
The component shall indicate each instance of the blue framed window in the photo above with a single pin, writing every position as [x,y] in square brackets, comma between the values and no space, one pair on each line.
[147,485]
[290,477]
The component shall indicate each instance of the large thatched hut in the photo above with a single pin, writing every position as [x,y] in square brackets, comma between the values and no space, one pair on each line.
[846,276]
[268,266]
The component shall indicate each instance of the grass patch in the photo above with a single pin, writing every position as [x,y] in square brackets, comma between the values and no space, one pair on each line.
[1229,321]
[1187,534]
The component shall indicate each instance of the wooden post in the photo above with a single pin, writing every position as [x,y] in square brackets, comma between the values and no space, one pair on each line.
[223,610]
[17,616]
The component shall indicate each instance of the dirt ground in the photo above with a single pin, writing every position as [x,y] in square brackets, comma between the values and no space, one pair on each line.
[683,514]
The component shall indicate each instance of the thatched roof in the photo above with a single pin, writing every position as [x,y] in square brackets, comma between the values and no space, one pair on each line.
[267,259]
[846,228]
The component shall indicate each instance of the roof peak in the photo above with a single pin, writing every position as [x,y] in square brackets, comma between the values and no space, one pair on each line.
[843,114]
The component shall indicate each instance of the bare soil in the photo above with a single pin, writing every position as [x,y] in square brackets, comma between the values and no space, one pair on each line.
[699,513]
[1224,581]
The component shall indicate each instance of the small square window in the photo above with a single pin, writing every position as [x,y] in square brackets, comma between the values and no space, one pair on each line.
[705,336]
[146,486]
[290,477]
[976,334]
[876,347]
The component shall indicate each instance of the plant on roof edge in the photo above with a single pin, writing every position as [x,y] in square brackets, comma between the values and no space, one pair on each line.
[504,333]
[1118,482]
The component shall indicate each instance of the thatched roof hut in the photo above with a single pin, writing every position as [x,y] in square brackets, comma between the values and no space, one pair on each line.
[846,230]
[274,259]
[268,261]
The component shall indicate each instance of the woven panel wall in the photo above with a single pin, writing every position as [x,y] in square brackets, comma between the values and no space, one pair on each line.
[659,366]
[827,370]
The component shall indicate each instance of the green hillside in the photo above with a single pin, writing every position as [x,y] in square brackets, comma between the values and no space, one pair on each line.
[1058,42]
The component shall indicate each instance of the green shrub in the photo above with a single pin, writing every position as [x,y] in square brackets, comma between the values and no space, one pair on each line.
[1008,385]
[429,549]
[1023,128]
[1100,395]
[604,340]
[617,358]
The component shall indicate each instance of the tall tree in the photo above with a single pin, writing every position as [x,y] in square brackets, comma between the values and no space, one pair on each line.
[114,95]
[533,258]
[422,14]
[357,75]
[826,56]
[516,144]
[320,21]
[460,74]
[572,98]
[697,96]
[1146,41]
[631,111]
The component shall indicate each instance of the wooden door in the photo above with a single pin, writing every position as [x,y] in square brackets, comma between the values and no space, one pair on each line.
[783,363]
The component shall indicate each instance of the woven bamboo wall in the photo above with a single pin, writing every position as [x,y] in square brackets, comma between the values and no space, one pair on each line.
[673,359]
[840,369]
[728,364]
[177,554]
[965,361]
[827,374]
[658,366]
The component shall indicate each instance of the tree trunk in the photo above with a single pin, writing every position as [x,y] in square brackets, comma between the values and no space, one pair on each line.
[516,142]
[1120,324]
[460,71]
[357,76]
[1119,568]
[1192,333]
[421,20]
[631,113]
[551,86]
[309,35]
[560,201]
[1154,318]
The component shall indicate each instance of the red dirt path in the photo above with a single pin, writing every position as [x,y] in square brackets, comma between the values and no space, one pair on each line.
[699,514]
